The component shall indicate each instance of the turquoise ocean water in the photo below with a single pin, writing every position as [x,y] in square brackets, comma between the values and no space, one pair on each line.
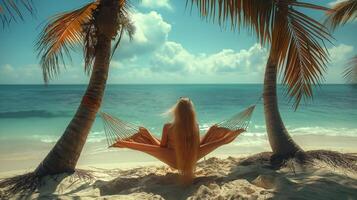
[41,113]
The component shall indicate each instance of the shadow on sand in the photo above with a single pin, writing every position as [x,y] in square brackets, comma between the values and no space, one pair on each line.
[301,183]
[231,178]
[164,186]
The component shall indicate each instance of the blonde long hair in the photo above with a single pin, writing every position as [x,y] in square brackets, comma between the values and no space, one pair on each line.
[186,138]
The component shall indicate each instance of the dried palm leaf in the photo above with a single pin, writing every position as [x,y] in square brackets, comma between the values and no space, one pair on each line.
[66,31]
[350,73]
[297,40]
[62,33]
[301,53]
[12,10]
[341,13]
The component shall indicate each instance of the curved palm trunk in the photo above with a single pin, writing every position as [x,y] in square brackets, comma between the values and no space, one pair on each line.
[280,141]
[64,155]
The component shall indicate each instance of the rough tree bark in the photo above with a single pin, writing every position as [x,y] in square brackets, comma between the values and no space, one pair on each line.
[280,141]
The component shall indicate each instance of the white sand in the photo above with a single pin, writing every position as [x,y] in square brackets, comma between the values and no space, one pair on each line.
[229,178]
[126,174]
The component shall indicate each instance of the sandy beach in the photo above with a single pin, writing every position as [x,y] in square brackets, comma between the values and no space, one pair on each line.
[230,178]
[229,173]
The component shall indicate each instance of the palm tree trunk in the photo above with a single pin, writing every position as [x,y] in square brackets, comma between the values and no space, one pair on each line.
[280,141]
[64,155]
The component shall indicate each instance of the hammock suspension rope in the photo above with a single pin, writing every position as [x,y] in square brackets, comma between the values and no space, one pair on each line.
[117,130]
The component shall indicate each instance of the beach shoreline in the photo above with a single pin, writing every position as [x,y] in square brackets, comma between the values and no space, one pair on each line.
[26,155]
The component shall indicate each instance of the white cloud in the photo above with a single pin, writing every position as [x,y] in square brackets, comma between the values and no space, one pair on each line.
[333,3]
[340,56]
[32,74]
[340,53]
[173,57]
[156,4]
[151,33]
[10,74]
[172,63]
[6,69]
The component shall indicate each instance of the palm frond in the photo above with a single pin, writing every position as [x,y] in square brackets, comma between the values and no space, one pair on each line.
[341,13]
[297,40]
[62,33]
[12,10]
[256,15]
[298,44]
[125,26]
[350,73]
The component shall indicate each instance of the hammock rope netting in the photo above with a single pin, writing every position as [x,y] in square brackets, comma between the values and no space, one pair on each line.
[116,129]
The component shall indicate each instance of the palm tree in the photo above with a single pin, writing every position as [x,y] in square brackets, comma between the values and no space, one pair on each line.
[297,52]
[11,10]
[94,25]
[340,14]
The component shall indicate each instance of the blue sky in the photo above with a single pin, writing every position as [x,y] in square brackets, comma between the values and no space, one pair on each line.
[171,45]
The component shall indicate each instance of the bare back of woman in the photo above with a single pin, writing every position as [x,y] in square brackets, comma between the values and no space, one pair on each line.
[180,146]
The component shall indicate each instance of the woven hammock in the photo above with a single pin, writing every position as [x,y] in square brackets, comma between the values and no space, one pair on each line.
[118,130]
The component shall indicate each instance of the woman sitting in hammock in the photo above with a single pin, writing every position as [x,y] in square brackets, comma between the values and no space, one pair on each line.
[180,146]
